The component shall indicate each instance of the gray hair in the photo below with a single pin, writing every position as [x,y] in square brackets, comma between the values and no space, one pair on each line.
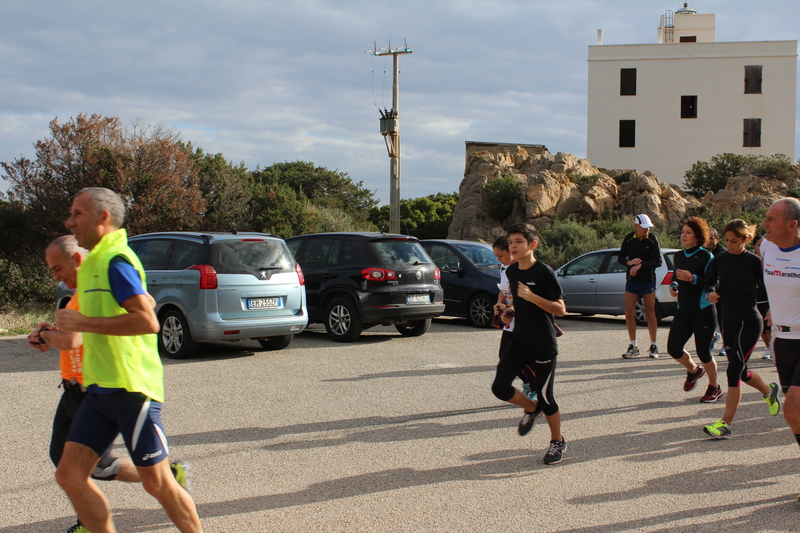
[68,246]
[106,200]
[792,210]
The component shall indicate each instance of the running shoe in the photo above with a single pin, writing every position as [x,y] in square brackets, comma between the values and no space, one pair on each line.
[527,391]
[722,352]
[691,378]
[182,472]
[633,351]
[767,354]
[714,340]
[526,424]
[712,394]
[78,528]
[555,454]
[772,399]
[653,351]
[718,430]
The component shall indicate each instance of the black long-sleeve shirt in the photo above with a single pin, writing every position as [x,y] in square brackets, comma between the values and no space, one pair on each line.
[647,250]
[691,294]
[739,281]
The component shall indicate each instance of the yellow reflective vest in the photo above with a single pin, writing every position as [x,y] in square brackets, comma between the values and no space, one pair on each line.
[129,362]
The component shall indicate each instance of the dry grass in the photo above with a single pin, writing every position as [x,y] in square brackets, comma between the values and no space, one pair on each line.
[22,319]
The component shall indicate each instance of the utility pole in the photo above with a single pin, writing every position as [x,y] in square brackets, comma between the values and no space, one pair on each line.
[390,129]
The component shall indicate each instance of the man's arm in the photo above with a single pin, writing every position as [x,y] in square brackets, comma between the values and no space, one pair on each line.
[61,340]
[140,319]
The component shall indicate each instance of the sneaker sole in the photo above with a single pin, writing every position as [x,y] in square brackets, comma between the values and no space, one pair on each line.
[693,384]
[717,437]
[711,400]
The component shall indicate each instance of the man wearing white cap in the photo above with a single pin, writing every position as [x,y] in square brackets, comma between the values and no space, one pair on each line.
[641,254]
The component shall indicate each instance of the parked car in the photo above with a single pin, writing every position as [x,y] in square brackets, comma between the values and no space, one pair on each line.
[221,286]
[595,283]
[355,281]
[470,278]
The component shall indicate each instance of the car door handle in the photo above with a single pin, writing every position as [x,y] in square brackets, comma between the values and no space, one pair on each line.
[328,276]
[591,280]
[153,283]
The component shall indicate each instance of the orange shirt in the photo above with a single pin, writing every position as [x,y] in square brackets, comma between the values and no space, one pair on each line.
[71,361]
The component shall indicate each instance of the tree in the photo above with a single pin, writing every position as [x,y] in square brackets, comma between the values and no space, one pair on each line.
[226,189]
[146,165]
[322,187]
[498,196]
[428,217]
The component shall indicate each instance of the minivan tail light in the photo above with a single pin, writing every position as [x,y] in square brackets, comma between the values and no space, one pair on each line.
[208,276]
[667,279]
[300,273]
[437,274]
[378,274]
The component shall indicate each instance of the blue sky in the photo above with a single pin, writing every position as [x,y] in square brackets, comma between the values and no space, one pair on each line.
[263,82]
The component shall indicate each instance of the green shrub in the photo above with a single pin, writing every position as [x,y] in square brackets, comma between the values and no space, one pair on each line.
[580,180]
[25,283]
[714,175]
[498,196]
[567,239]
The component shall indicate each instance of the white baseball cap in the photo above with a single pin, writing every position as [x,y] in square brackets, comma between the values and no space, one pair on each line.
[643,221]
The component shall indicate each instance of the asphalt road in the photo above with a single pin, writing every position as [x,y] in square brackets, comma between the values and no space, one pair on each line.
[403,434]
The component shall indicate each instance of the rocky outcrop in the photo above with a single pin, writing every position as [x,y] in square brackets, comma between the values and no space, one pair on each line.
[562,185]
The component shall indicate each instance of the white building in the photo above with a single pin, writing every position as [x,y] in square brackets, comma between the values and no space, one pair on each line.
[667,105]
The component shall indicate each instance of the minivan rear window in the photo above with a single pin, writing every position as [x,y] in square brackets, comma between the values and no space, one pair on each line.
[399,252]
[250,257]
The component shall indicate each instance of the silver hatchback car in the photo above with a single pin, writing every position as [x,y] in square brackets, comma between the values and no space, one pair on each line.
[221,286]
[594,283]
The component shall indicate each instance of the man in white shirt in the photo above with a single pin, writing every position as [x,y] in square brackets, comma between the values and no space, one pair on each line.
[781,258]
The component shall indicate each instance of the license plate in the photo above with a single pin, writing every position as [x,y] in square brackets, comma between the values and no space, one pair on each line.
[418,298]
[263,303]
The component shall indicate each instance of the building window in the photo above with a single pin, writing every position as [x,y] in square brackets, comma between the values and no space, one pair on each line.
[752,132]
[688,106]
[627,133]
[752,79]
[627,82]
[689,39]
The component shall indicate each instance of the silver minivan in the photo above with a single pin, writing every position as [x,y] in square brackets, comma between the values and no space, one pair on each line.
[220,286]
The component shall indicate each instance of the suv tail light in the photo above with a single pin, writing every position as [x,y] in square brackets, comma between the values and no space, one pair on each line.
[300,274]
[437,274]
[378,274]
[667,279]
[208,276]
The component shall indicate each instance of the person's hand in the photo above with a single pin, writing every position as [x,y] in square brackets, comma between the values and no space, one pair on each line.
[523,291]
[635,269]
[713,297]
[508,316]
[673,292]
[684,275]
[33,338]
[499,308]
[70,320]
[632,262]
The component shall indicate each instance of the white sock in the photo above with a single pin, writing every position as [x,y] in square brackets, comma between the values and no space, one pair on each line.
[633,343]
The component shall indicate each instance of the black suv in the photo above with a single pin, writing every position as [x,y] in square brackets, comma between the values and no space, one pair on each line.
[358,280]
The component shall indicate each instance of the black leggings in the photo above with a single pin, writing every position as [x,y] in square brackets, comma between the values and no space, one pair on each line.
[544,369]
[740,338]
[701,324]
[525,373]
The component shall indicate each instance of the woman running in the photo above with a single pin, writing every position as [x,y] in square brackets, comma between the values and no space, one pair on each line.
[734,279]
[695,315]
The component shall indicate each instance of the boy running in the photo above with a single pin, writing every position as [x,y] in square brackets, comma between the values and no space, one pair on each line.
[537,297]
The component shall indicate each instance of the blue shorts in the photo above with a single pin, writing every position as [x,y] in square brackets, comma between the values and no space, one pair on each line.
[134,415]
[640,288]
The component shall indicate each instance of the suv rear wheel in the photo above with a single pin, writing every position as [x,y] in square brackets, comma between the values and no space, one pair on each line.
[175,340]
[276,343]
[479,311]
[341,320]
[414,328]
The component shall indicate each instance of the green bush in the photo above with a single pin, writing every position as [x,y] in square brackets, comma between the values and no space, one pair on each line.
[714,175]
[498,196]
[567,239]
[25,283]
